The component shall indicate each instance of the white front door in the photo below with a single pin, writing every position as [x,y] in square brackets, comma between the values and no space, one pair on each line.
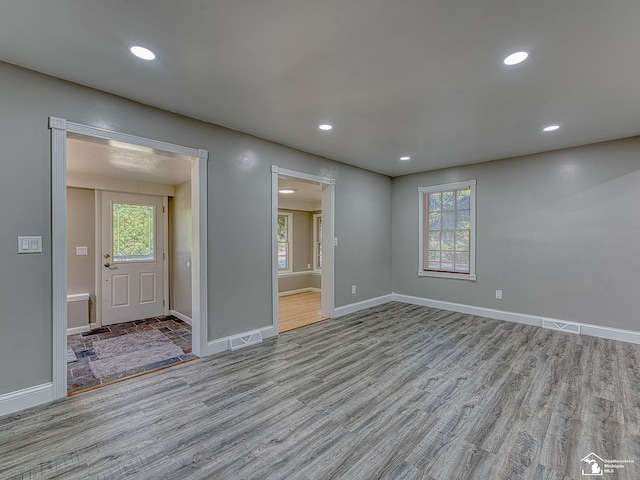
[132,257]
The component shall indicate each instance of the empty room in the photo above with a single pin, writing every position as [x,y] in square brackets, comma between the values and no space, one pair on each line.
[401,239]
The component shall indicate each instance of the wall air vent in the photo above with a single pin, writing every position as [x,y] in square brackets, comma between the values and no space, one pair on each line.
[567,327]
[245,340]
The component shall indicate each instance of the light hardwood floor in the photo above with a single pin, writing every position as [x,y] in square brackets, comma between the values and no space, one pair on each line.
[298,310]
[392,392]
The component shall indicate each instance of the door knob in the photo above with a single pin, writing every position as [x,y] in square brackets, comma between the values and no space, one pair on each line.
[107,264]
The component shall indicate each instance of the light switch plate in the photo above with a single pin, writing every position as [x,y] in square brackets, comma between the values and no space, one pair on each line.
[29,244]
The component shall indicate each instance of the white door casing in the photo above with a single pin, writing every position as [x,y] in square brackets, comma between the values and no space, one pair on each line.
[132,283]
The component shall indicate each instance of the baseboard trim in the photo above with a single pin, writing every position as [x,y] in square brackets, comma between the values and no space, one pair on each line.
[182,317]
[299,290]
[222,344]
[76,330]
[26,398]
[356,307]
[536,321]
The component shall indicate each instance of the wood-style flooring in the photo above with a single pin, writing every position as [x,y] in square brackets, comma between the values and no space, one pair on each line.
[298,310]
[392,392]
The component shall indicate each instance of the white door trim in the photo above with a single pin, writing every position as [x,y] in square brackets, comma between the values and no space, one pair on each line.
[328,211]
[59,130]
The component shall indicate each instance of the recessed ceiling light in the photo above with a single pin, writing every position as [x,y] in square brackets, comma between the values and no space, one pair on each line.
[551,128]
[286,190]
[142,52]
[325,126]
[405,158]
[516,58]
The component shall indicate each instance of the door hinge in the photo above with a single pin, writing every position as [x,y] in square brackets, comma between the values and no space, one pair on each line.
[163,303]
[164,256]
[163,209]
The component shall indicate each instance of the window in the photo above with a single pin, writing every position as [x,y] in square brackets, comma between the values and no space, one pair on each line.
[133,232]
[317,242]
[285,221]
[447,230]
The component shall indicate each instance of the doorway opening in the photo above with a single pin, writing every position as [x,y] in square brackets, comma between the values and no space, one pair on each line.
[129,250]
[303,248]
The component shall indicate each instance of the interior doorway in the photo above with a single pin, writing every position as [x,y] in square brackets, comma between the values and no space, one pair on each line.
[302,214]
[133,171]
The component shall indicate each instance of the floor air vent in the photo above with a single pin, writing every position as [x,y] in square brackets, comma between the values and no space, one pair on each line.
[561,326]
[244,340]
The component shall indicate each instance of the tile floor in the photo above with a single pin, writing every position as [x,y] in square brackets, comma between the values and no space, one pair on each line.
[79,376]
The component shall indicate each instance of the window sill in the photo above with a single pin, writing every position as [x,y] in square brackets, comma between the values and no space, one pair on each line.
[458,276]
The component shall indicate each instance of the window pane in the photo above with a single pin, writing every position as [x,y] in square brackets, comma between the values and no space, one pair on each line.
[319,257]
[448,200]
[434,221]
[462,240]
[449,220]
[319,229]
[447,260]
[447,241]
[464,220]
[434,202]
[133,232]
[434,260]
[464,197]
[434,240]
[282,228]
[462,262]
[283,256]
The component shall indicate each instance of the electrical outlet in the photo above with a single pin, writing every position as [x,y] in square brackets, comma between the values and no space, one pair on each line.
[308,266]
[499,294]
[82,251]
[353,289]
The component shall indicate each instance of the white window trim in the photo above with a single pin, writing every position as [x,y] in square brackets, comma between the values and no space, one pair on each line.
[315,243]
[472,234]
[289,216]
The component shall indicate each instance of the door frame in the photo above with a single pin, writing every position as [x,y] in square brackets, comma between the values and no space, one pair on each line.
[328,221]
[60,127]
[99,250]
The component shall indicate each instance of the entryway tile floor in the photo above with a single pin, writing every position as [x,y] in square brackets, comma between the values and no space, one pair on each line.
[79,376]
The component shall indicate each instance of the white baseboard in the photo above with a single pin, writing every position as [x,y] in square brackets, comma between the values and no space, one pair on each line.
[356,307]
[182,317]
[76,330]
[222,344]
[299,290]
[26,398]
[536,321]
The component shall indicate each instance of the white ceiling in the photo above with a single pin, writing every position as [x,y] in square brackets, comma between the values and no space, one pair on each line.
[306,195]
[105,158]
[395,77]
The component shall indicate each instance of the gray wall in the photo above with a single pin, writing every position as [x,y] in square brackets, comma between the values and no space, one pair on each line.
[239,203]
[81,271]
[557,232]
[180,249]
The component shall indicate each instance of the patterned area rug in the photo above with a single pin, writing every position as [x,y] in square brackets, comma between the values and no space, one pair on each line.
[122,353]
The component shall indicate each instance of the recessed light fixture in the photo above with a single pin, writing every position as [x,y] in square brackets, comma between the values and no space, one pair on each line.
[325,126]
[551,128]
[405,158]
[517,57]
[142,52]
[286,190]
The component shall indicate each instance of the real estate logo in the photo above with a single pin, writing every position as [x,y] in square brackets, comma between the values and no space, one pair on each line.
[592,464]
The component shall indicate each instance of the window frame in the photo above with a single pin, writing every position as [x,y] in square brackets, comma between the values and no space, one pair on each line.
[289,216]
[422,192]
[316,251]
